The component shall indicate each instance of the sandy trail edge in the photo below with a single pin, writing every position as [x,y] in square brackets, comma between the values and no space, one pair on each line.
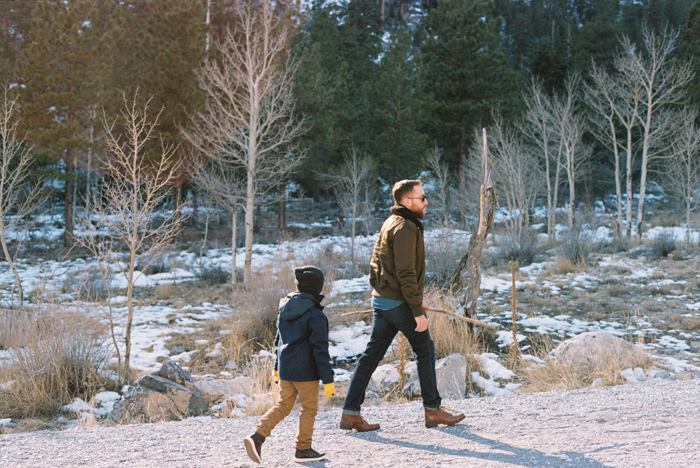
[651,424]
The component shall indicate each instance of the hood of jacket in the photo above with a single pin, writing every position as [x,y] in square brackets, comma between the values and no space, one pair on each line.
[296,304]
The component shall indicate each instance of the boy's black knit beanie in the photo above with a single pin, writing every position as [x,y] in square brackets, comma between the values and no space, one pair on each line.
[309,279]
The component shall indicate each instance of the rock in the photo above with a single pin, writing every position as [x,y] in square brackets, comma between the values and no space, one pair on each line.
[155,398]
[633,375]
[171,371]
[661,374]
[384,378]
[597,383]
[217,389]
[452,376]
[451,373]
[598,349]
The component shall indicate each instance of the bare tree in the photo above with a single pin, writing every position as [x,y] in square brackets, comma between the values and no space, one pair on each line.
[682,174]
[133,193]
[248,117]
[17,196]
[663,82]
[538,129]
[226,187]
[569,127]
[472,259]
[443,181]
[352,182]
[516,174]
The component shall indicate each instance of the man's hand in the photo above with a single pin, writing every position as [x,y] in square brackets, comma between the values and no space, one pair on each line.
[276,376]
[329,389]
[422,323]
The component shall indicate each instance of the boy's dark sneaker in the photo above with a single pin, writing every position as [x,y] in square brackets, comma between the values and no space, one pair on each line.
[253,445]
[308,455]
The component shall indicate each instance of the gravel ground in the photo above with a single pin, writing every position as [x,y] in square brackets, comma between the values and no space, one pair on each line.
[650,424]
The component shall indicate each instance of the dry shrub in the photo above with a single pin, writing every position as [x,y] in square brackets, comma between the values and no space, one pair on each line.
[55,356]
[663,244]
[554,375]
[442,255]
[258,302]
[561,266]
[264,390]
[575,245]
[450,335]
[164,291]
[13,322]
[521,247]
[90,286]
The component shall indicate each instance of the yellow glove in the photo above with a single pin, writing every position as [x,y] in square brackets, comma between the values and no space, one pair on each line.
[277,377]
[329,389]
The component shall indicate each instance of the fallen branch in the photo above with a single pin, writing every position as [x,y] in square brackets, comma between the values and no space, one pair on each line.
[466,319]
[461,317]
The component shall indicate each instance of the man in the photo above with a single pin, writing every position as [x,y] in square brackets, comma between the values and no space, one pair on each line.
[397,272]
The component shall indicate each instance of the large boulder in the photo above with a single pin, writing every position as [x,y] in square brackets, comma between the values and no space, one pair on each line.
[219,389]
[451,373]
[153,398]
[594,350]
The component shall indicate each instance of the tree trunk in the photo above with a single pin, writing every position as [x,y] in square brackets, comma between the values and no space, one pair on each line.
[487,205]
[249,207]
[68,236]
[628,181]
[234,228]
[13,266]
[282,218]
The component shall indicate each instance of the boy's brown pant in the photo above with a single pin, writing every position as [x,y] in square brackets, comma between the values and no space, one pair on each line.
[308,399]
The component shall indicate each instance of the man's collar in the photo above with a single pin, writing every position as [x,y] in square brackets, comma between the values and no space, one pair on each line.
[404,212]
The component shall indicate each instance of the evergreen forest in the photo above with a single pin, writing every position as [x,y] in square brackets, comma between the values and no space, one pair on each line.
[567,91]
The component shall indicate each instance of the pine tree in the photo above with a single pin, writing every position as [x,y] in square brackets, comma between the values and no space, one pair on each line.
[689,50]
[63,71]
[398,111]
[339,46]
[467,74]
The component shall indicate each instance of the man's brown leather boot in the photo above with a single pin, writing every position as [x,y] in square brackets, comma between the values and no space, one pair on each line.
[349,422]
[440,416]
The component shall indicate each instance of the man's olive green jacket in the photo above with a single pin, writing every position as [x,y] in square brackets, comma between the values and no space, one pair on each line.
[397,268]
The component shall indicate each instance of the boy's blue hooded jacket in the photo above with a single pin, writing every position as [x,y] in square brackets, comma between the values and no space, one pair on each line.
[302,339]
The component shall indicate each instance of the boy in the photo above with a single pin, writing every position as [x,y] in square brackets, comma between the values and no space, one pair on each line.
[302,360]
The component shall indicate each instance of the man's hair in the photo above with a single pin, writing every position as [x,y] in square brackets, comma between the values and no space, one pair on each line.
[403,188]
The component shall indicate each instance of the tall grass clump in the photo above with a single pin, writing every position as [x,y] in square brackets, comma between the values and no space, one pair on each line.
[552,374]
[258,303]
[663,244]
[55,356]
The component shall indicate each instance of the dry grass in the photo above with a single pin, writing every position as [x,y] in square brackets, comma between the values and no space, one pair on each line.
[554,375]
[56,355]
[450,335]
[258,303]
[562,266]
[164,291]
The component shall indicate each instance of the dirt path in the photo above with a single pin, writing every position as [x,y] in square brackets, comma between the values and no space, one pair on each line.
[653,424]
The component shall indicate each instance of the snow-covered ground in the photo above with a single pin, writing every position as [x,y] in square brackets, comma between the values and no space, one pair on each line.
[154,323]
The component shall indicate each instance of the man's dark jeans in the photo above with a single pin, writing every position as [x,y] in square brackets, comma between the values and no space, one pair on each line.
[387,323]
